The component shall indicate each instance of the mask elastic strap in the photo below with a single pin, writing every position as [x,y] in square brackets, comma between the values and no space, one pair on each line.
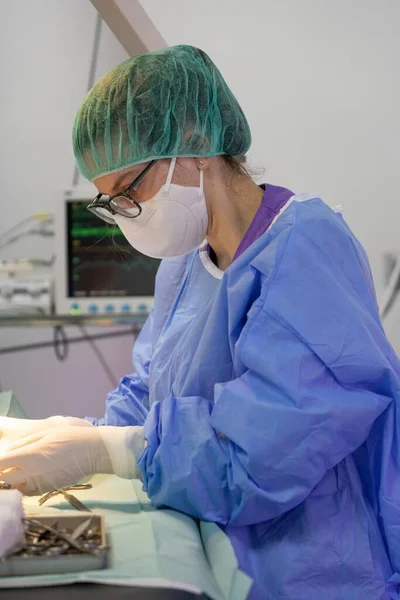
[170,173]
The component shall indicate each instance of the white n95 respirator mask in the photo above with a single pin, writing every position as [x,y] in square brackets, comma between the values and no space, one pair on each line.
[172,223]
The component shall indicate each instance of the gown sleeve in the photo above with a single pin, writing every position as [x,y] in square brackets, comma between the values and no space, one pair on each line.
[315,377]
[128,404]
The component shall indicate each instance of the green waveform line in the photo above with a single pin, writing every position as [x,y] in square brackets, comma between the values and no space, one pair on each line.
[146,264]
[80,232]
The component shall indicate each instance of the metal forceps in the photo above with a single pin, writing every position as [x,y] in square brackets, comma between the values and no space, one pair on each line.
[51,540]
[69,497]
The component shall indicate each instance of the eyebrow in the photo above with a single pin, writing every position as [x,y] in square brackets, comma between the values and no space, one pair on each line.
[122,177]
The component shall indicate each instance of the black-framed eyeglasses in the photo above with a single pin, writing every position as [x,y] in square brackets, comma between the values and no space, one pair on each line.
[105,207]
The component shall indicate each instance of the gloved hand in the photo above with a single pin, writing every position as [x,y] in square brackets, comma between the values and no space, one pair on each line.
[14,429]
[58,457]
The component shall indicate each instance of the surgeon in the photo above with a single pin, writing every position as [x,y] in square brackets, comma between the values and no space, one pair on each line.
[265,395]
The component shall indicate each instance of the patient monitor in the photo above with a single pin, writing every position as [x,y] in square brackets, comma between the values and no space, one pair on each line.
[97,271]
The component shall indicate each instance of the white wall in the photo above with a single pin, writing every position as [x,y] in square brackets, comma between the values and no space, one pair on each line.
[45,49]
[319,82]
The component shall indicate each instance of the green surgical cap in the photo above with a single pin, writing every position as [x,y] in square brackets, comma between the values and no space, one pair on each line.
[172,102]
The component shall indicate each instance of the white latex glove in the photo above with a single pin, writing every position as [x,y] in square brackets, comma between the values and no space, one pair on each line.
[58,457]
[14,429]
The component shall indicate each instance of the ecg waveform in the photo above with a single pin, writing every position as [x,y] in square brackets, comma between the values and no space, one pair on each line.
[82,231]
[136,263]
[101,260]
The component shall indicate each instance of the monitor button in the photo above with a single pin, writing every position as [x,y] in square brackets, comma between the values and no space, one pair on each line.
[142,308]
[126,308]
[93,308]
[109,308]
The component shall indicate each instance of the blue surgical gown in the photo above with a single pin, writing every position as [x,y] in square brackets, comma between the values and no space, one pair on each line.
[269,396]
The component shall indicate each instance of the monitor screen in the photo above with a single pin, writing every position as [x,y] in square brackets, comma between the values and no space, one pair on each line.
[101,262]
